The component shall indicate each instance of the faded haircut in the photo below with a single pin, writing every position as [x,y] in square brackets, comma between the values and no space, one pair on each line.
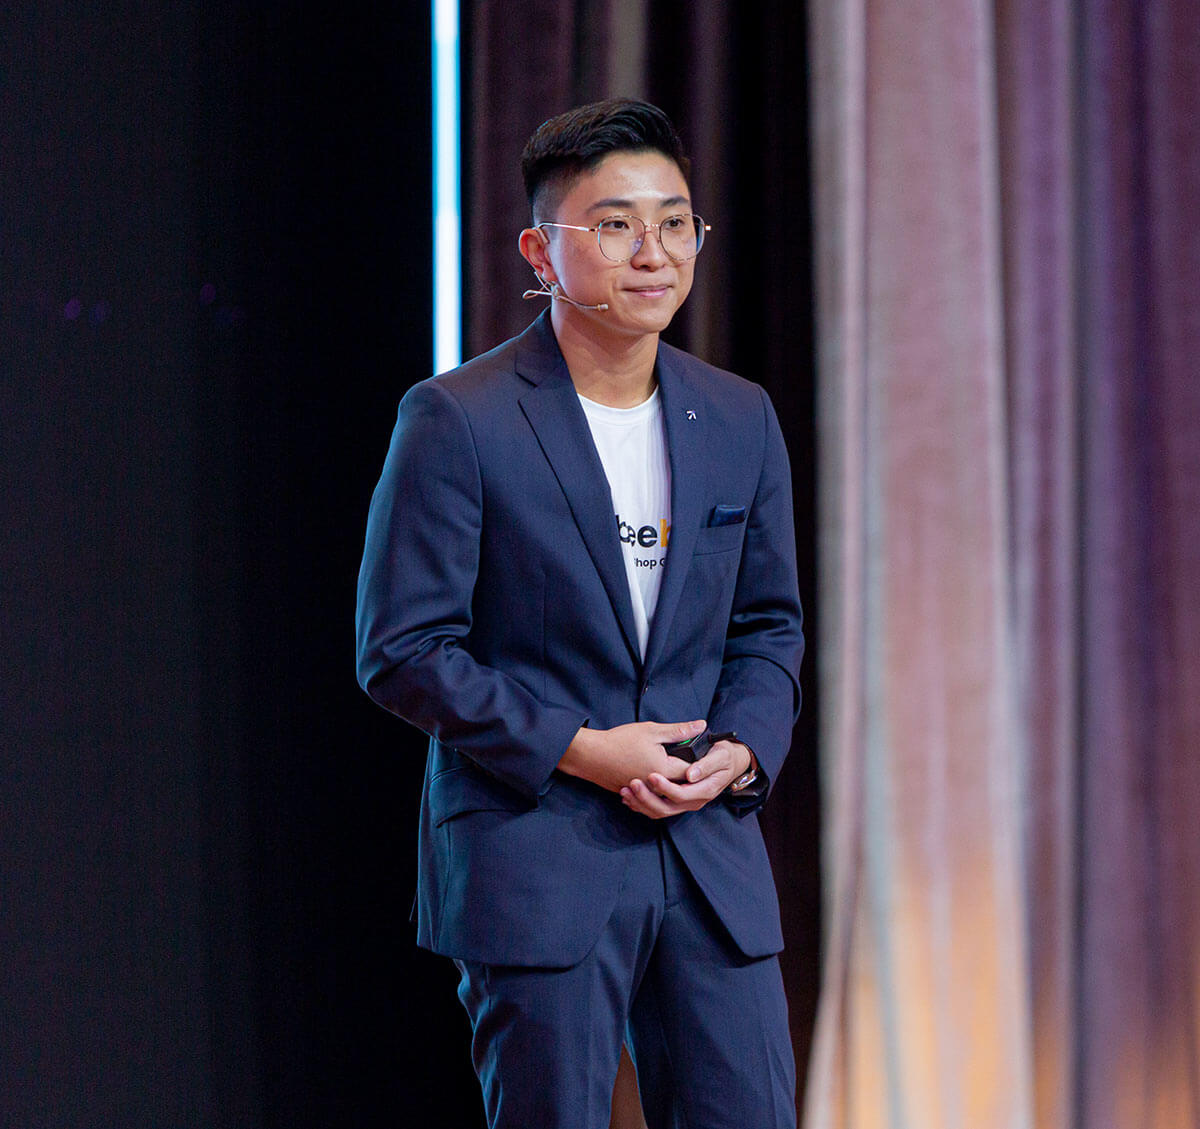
[565,147]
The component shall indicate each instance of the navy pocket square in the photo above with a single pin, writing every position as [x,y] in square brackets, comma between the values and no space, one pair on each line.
[727,515]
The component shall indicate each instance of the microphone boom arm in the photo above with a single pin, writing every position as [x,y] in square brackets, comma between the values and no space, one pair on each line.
[554,292]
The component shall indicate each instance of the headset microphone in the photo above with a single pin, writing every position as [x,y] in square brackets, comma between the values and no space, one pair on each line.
[554,292]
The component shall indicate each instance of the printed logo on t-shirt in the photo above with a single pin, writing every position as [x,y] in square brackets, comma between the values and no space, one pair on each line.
[645,537]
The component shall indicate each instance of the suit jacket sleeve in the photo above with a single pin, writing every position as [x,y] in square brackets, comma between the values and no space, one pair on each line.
[758,692]
[415,592]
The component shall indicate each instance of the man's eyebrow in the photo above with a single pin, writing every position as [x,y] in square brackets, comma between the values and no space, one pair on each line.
[617,202]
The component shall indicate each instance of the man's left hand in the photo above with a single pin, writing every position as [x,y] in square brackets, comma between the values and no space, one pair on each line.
[657,797]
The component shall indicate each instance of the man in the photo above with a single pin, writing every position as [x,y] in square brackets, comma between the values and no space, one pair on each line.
[579,552]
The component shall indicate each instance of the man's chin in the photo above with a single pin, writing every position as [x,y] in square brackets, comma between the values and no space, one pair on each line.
[648,321]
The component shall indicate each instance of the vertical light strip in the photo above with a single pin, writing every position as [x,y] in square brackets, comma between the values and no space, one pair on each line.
[447,232]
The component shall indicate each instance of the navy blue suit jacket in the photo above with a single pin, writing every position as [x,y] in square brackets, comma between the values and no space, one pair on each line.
[494,613]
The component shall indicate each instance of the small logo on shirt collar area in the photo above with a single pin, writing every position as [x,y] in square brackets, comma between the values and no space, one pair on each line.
[691,414]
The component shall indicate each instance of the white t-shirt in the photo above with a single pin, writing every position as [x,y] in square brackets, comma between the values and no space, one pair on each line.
[633,451]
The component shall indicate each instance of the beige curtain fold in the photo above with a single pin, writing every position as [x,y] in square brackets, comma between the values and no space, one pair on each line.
[1006,244]
[923,1015]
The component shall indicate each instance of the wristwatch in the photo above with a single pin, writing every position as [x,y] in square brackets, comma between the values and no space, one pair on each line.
[745,780]
[749,776]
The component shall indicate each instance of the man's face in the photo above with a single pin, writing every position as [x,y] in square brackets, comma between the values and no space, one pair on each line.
[643,293]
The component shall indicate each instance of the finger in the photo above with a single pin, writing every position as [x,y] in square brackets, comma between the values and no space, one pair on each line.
[689,797]
[665,732]
[708,766]
[639,796]
[642,798]
[634,804]
[675,768]
[724,756]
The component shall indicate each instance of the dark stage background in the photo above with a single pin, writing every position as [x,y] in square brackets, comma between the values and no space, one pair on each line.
[215,247]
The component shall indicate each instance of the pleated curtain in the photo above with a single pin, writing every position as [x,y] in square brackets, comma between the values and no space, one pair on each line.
[1008,332]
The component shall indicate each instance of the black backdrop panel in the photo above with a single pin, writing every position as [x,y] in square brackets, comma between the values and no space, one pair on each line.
[215,288]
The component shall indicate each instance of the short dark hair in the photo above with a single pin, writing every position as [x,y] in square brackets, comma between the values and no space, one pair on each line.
[571,144]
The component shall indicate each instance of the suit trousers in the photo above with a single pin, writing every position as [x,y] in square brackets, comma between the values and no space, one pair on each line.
[707,1026]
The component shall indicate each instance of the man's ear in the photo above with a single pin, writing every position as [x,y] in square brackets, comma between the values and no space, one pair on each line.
[533,245]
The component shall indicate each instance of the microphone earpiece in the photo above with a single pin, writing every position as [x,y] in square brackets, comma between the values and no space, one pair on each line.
[554,292]
[543,290]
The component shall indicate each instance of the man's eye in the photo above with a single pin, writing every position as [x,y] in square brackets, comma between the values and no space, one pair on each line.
[675,223]
[615,225]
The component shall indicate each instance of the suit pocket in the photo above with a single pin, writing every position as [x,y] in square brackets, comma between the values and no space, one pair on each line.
[727,515]
[460,790]
[719,538]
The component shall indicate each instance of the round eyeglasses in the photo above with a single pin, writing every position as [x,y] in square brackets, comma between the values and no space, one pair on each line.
[621,237]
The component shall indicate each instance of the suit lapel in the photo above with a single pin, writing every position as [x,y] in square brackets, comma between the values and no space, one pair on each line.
[553,410]
[683,404]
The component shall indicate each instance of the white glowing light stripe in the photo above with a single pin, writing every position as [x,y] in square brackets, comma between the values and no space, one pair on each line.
[447,228]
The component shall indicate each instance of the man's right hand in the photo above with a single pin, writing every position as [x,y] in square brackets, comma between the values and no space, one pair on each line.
[612,758]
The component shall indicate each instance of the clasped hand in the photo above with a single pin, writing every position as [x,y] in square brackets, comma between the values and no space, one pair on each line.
[631,761]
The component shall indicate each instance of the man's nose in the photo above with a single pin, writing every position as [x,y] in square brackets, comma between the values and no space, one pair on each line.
[644,251]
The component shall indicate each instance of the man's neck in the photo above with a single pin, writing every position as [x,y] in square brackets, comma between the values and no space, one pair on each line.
[614,370]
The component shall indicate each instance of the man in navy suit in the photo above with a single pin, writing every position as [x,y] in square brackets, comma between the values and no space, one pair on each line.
[581,551]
